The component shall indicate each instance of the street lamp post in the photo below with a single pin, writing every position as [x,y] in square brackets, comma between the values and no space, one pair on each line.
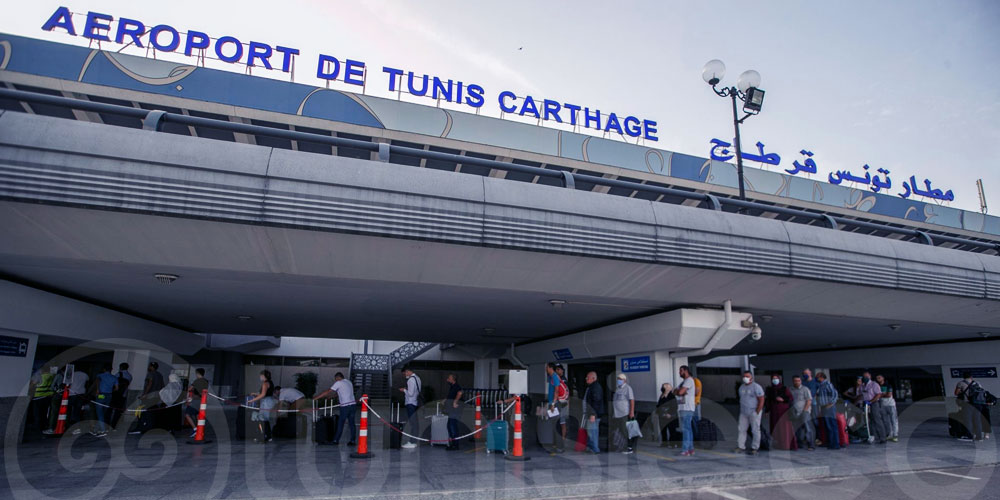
[747,90]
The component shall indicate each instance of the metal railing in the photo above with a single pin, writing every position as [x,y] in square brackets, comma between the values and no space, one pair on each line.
[155,119]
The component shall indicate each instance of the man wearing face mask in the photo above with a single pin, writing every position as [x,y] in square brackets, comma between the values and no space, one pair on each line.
[623,405]
[751,406]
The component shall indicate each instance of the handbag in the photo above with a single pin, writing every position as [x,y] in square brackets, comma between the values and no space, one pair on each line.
[633,429]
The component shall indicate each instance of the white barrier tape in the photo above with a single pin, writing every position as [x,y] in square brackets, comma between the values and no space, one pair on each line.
[459,438]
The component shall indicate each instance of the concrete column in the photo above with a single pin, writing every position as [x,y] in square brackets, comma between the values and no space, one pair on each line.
[15,372]
[485,373]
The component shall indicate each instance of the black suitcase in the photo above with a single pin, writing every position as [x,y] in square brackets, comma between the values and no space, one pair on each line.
[707,434]
[956,425]
[393,439]
[325,428]
[287,426]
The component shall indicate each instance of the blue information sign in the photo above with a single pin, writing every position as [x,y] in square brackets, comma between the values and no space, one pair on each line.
[562,354]
[636,364]
[13,346]
[976,371]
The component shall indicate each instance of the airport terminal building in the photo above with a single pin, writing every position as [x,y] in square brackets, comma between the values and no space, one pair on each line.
[156,210]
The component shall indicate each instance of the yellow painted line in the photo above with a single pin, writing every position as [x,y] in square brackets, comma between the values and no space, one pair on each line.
[719,453]
[474,450]
[654,455]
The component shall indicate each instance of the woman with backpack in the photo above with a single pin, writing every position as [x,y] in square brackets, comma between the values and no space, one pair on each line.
[973,398]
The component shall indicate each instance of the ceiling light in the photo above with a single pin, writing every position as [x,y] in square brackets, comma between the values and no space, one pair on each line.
[766,318]
[489,331]
[556,303]
[244,317]
[984,334]
[165,279]
[895,327]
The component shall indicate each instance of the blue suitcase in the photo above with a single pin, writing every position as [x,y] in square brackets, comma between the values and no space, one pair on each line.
[496,437]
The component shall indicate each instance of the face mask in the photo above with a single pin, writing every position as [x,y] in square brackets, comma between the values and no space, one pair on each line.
[263,379]
[746,380]
[866,380]
[621,383]
[775,381]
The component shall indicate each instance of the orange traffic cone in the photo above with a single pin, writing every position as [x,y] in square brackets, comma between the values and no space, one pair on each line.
[199,435]
[61,423]
[518,453]
[479,416]
[363,433]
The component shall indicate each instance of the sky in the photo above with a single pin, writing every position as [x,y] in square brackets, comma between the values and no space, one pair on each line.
[908,86]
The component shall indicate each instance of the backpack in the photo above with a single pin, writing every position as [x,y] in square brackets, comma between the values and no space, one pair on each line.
[562,391]
[975,394]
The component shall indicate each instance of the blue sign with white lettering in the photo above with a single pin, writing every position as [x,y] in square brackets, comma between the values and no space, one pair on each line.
[976,372]
[636,364]
[562,354]
[13,346]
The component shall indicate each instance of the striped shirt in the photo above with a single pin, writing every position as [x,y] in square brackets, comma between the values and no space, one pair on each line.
[826,394]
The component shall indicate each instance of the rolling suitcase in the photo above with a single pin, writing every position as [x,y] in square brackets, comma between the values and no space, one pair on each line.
[708,434]
[439,428]
[496,436]
[324,423]
[241,423]
[393,439]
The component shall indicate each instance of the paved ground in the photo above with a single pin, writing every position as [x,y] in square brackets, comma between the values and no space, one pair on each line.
[158,465]
[981,483]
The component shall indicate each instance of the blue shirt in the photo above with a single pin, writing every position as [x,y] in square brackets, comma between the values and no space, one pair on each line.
[553,383]
[106,383]
[811,384]
[826,394]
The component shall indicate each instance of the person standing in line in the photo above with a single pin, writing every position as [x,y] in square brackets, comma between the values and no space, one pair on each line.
[888,403]
[105,385]
[697,406]
[265,412]
[562,400]
[826,400]
[855,394]
[800,414]
[751,406]
[291,396]
[666,407]
[454,405]
[777,402]
[193,407]
[119,399]
[623,404]
[154,379]
[685,409]
[77,397]
[551,399]
[348,406]
[411,398]
[593,410]
[871,395]
[810,383]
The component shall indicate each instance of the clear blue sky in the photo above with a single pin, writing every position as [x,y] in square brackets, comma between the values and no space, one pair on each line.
[905,85]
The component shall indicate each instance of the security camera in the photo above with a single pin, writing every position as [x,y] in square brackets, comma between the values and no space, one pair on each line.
[756,333]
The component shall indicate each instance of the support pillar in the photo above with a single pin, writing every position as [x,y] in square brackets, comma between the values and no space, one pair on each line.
[485,373]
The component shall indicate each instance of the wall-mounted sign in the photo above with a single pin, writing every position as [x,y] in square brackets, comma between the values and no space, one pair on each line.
[100,27]
[13,346]
[635,364]
[720,152]
[562,354]
[976,372]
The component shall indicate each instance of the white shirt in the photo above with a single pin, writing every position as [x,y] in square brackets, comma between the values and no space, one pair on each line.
[686,402]
[78,384]
[344,390]
[291,394]
[412,390]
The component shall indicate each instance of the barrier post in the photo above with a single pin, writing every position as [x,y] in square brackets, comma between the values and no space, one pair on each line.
[199,436]
[479,416]
[363,432]
[518,454]
[61,423]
